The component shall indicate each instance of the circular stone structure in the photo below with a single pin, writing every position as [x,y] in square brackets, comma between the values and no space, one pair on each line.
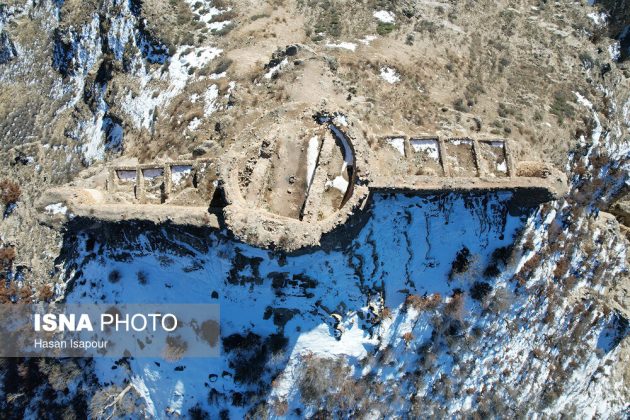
[292,177]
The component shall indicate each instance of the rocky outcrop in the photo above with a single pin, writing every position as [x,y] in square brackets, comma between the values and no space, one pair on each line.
[7,48]
[618,26]
[91,49]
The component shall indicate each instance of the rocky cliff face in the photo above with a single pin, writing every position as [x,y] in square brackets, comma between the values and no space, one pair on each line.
[7,48]
[93,58]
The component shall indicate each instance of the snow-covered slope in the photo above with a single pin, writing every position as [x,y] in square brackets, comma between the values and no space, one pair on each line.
[276,310]
[406,247]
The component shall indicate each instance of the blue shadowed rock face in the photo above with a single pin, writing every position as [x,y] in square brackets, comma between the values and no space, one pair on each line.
[7,48]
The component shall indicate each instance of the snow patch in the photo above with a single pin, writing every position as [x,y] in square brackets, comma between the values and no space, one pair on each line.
[598,18]
[126,175]
[339,183]
[614,50]
[56,208]
[317,341]
[397,143]
[121,31]
[179,172]
[210,99]
[312,155]
[435,230]
[94,148]
[343,45]
[154,95]
[368,39]
[459,142]
[389,75]
[597,131]
[341,119]
[385,16]
[206,12]
[143,391]
[194,124]
[275,69]
[216,76]
[428,146]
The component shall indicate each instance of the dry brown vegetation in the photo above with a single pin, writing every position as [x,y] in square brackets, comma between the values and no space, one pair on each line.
[9,192]
[528,269]
[7,255]
[175,348]
[14,294]
[423,303]
[562,268]
[45,293]
[326,385]
[172,22]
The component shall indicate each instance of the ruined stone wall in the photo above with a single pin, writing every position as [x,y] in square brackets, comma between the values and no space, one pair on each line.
[181,191]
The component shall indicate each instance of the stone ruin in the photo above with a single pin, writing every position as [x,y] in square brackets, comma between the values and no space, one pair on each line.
[285,185]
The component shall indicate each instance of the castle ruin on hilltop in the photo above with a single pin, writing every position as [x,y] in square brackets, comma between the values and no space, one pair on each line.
[293,183]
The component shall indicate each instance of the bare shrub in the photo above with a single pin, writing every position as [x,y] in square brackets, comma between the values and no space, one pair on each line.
[6,292]
[528,245]
[45,293]
[562,267]
[197,413]
[222,65]
[175,347]
[422,303]
[455,307]
[116,402]
[9,192]
[60,373]
[461,263]
[500,257]
[531,265]
[281,408]
[570,282]
[12,294]
[554,232]
[25,294]
[550,314]
[7,255]
[433,301]
[479,290]
[142,277]
[114,276]
[319,375]
[538,353]
[327,385]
